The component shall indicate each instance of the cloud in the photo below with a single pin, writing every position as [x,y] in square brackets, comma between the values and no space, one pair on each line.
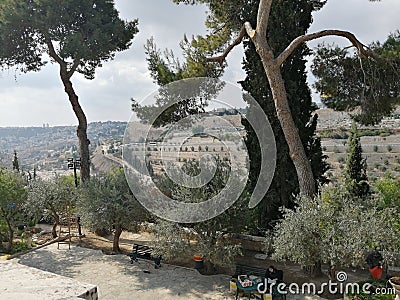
[22,106]
[37,98]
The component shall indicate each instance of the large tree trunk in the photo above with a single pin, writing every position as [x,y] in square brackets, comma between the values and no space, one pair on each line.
[314,271]
[10,235]
[81,131]
[55,224]
[296,149]
[332,273]
[117,234]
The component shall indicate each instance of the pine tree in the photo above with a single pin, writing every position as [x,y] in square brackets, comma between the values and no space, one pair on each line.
[78,36]
[356,166]
[285,184]
[232,15]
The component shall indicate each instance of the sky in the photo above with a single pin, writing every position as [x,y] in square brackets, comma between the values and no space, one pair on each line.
[38,98]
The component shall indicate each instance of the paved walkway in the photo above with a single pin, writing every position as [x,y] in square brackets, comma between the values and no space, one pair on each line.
[117,279]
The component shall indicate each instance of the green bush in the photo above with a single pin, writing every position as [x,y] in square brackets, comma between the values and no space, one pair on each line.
[375,284]
[375,132]
[16,247]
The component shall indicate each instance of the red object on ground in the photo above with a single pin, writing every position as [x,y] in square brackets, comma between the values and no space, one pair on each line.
[376,272]
[197,258]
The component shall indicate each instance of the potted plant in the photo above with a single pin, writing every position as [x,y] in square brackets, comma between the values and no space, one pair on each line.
[198,261]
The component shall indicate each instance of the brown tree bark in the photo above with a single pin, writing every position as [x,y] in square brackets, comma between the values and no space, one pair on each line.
[313,271]
[55,224]
[332,273]
[117,234]
[81,132]
[296,150]
[10,233]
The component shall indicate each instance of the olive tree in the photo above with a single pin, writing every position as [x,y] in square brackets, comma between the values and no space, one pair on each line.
[388,189]
[211,237]
[13,193]
[106,201]
[336,230]
[52,198]
[78,36]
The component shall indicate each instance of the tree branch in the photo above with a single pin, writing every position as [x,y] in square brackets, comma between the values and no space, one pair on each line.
[362,49]
[73,68]
[220,59]
[264,9]
[246,28]
[53,54]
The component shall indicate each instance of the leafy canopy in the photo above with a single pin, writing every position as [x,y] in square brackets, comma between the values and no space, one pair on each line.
[84,33]
[106,201]
[335,230]
[51,197]
[12,190]
[13,193]
[369,88]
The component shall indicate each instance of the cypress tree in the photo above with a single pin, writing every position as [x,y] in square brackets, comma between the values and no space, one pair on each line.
[356,166]
[15,161]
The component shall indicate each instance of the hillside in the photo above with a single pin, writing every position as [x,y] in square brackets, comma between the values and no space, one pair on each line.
[48,148]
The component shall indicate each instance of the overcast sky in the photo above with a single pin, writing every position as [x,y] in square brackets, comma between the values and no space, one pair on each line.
[37,98]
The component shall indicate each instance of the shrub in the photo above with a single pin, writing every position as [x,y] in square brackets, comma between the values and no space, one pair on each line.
[373,284]
[319,231]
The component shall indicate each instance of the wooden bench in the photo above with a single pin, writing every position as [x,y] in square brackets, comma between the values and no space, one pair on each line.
[249,270]
[144,252]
